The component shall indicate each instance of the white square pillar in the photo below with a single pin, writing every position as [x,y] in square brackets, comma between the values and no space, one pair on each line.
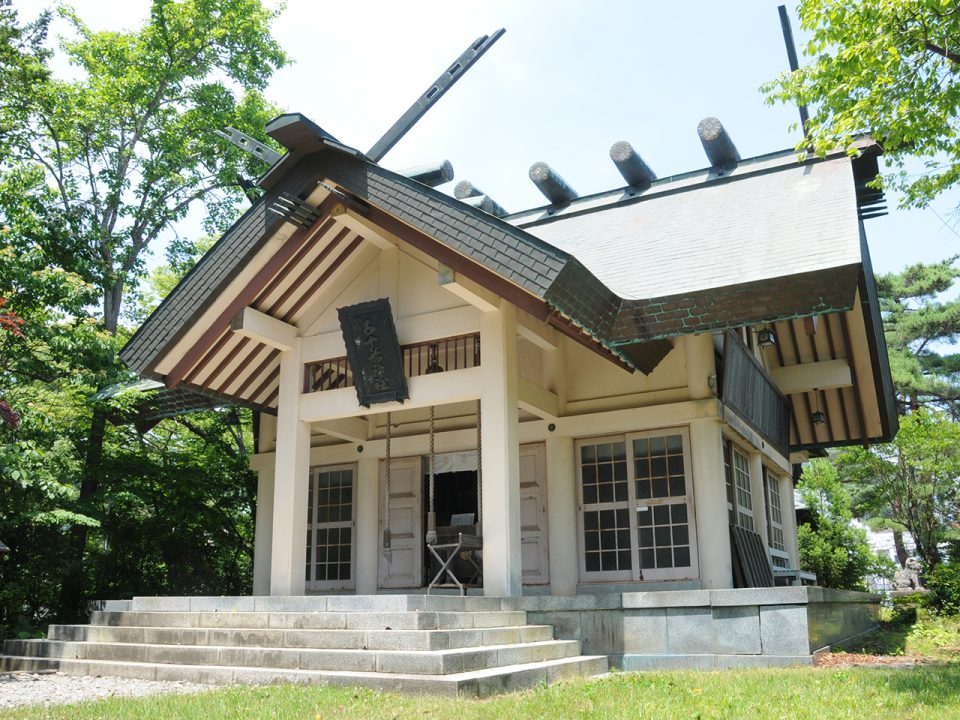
[263,532]
[289,549]
[789,510]
[502,574]
[366,532]
[710,499]
[562,515]
[759,497]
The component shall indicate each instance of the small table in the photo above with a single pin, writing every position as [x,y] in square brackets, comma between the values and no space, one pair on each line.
[465,547]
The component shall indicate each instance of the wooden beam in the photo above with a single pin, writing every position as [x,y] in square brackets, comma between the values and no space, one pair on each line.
[350,429]
[465,289]
[472,293]
[537,400]
[264,328]
[425,390]
[822,375]
[361,226]
[250,291]
[540,334]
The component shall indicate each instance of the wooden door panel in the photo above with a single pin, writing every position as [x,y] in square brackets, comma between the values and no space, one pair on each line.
[533,514]
[404,567]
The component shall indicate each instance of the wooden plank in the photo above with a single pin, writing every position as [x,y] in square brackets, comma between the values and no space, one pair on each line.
[751,557]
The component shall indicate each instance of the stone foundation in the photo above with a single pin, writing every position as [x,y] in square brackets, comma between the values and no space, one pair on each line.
[707,629]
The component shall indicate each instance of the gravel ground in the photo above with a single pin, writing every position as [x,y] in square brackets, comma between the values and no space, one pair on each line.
[25,688]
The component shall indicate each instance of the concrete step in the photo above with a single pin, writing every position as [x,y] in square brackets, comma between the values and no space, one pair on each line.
[475,683]
[418,662]
[331,639]
[324,603]
[319,620]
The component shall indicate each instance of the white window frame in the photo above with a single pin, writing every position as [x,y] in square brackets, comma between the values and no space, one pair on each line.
[584,507]
[773,489]
[742,488]
[632,504]
[312,526]
[692,571]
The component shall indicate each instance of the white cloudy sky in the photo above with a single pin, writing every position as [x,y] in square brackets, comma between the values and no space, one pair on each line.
[567,80]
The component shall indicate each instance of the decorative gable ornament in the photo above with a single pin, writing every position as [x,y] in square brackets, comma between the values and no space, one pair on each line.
[374,352]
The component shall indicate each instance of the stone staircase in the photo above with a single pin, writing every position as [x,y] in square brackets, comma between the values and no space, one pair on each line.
[469,646]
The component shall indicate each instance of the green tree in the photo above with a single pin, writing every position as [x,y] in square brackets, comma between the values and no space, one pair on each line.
[129,147]
[174,508]
[914,481]
[890,68]
[123,152]
[831,546]
[917,324]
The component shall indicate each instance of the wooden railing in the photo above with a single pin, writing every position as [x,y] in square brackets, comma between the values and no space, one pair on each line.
[424,358]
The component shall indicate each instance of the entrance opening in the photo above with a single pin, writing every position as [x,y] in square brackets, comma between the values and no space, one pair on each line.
[455,494]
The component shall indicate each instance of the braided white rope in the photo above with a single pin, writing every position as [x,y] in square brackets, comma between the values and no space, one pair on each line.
[479,471]
[431,515]
[388,553]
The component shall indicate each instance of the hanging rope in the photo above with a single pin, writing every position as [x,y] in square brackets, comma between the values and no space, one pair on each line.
[432,515]
[387,552]
[479,473]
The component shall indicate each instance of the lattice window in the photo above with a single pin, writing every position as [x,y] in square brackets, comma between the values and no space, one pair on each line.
[775,537]
[637,508]
[604,490]
[741,480]
[330,508]
[661,487]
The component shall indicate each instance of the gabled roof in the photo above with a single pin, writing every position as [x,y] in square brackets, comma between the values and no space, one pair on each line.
[765,219]
[622,272]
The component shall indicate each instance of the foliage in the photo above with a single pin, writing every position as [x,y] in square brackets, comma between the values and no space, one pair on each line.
[831,546]
[890,68]
[914,480]
[93,169]
[916,323]
[944,586]
[129,146]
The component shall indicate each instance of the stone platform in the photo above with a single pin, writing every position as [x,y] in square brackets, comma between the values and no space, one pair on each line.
[472,646]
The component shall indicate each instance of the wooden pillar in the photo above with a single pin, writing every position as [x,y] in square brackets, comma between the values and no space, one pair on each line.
[288,550]
[501,453]
[562,514]
[367,528]
[263,532]
[710,498]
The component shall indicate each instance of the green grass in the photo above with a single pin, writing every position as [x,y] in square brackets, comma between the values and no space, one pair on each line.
[928,691]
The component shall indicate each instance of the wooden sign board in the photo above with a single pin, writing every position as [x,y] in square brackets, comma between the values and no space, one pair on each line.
[374,352]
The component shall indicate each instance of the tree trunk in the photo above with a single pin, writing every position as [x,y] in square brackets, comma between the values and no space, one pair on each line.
[900,548]
[112,298]
[72,599]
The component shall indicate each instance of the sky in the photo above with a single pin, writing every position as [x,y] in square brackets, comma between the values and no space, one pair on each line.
[566,81]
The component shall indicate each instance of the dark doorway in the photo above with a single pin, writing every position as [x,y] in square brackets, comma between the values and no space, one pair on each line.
[455,493]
